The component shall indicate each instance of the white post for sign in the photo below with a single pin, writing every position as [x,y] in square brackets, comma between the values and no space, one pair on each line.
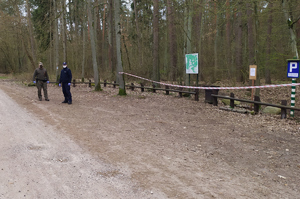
[252,76]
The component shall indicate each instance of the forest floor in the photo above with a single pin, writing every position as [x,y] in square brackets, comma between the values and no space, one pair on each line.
[171,147]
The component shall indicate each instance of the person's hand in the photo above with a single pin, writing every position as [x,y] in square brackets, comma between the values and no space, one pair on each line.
[34,82]
[59,84]
[47,82]
[69,84]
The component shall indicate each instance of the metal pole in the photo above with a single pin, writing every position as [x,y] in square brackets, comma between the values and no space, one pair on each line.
[293,97]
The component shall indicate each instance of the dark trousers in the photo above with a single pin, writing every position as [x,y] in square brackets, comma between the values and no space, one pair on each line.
[66,91]
[42,85]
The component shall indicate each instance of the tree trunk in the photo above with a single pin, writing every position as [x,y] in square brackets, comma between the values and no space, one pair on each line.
[256,22]
[172,40]
[51,36]
[155,41]
[292,32]
[20,39]
[83,43]
[199,32]
[251,60]
[93,47]
[228,40]
[110,36]
[216,43]
[31,34]
[269,45]
[103,37]
[188,35]
[63,29]
[119,67]
[239,54]
[139,50]
[56,49]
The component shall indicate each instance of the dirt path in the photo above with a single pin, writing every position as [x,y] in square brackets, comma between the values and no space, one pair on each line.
[39,162]
[143,146]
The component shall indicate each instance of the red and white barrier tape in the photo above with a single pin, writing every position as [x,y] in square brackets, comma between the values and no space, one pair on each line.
[220,88]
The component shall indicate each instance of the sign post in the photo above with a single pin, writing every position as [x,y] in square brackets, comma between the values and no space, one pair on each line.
[252,76]
[191,64]
[293,72]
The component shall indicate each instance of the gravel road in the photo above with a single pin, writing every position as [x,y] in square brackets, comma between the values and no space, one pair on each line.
[37,161]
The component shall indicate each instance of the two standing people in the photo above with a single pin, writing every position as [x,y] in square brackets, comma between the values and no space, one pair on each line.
[65,82]
[41,79]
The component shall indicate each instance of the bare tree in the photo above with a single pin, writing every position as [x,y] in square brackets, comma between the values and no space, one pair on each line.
[269,42]
[172,40]
[83,42]
[63,29]
[93,47]
[216,42]
[103,35]
[228,39]
[140,51]
[251,59]
[289,19]
[197,31]
[155,40]
[55,32]
[110,35]
[239,60]
[31,33]
[120,78]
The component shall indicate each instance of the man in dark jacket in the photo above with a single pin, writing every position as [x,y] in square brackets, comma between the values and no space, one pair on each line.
[41,79]
[65,81]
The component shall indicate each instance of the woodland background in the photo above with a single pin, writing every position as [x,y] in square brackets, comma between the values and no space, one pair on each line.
[149,38]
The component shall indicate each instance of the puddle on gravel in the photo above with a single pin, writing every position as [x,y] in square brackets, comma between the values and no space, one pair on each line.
[108,174]
[61,159]
[35,148]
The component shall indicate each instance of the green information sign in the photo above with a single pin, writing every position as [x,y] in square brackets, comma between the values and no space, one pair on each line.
[191,63]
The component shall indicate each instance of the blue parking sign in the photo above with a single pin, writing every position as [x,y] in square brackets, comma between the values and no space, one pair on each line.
[293,68]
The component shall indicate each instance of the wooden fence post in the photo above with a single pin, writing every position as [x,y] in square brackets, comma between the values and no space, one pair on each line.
[231,100]
[283,110]
[90,83]
[196,94]
[154,90]
[214,100]
[167,90]
[142,87]
[114,84]
[180,93]
[256,106]
[105,82]
[132,86]
[74,81]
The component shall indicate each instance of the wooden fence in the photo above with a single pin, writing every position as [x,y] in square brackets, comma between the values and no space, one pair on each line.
[167,89]
[256,103]
[211,95]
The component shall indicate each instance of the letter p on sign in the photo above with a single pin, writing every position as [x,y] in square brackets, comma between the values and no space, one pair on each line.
[293,65]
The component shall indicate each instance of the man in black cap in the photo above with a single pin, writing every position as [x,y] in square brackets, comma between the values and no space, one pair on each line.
[41,79]
[65,81]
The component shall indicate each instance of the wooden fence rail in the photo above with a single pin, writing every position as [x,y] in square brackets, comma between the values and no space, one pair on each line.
[142,87]
[256,103]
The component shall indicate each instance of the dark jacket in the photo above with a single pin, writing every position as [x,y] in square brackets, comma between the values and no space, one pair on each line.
[40,74]
[65,75]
